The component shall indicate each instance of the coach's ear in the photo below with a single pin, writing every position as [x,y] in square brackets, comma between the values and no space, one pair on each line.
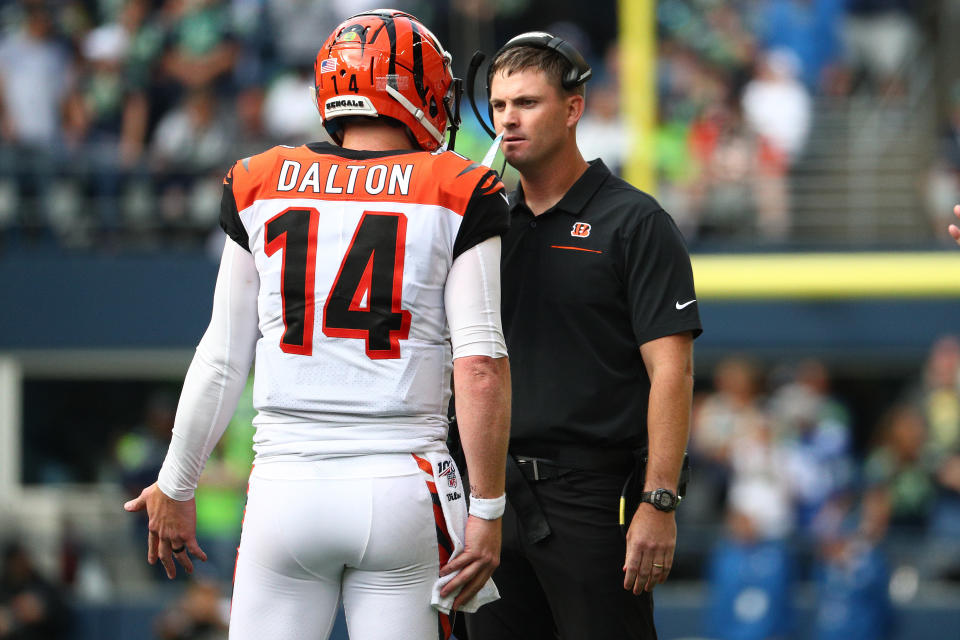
[575,107]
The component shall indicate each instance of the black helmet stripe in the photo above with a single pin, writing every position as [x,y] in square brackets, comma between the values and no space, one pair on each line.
[418,63]
[392,34]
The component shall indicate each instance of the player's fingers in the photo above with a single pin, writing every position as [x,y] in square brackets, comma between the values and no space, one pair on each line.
[137,504]
[166,558]
[184,559]
[152,543]
[954,231]
[473,587]
[459,581]
[194,548]
[457,563]
[468,591]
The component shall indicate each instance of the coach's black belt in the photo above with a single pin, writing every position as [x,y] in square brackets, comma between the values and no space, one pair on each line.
[536,469]
[610,462]
[523,470]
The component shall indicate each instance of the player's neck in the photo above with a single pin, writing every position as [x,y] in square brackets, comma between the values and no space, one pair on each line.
[546,184]
[375,136]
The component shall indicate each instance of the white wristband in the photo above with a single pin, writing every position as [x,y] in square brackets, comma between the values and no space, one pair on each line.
[488,508]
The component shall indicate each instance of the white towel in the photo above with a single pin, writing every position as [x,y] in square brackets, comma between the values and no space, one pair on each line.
[444,475]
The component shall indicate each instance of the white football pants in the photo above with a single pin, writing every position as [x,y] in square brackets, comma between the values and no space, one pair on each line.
[362,528]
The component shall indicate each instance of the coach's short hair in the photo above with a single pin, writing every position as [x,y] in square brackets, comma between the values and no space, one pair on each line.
[519,58]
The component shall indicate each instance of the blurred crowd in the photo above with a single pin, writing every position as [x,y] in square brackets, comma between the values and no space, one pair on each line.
[789,486]
[777,460]
[51,605]
[119,117]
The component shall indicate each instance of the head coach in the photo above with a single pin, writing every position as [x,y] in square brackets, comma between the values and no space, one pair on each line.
[600,315]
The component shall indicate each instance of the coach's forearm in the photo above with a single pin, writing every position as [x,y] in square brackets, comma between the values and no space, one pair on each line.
[668,413]
[482,387]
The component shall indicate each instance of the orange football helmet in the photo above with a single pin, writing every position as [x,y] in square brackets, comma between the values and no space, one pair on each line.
[385,63]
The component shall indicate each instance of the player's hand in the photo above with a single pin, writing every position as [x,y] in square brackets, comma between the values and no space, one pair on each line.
[172,525]
[481,555]
[651,540]
[954,229]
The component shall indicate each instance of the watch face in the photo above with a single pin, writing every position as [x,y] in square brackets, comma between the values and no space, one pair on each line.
[664,500]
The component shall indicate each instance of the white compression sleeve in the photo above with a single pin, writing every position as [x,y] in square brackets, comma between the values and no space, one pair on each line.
[217,374]
[472,302]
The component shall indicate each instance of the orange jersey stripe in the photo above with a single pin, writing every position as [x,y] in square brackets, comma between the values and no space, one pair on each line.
[424,464]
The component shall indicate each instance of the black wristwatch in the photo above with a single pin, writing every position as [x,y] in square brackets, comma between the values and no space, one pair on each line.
[662,499]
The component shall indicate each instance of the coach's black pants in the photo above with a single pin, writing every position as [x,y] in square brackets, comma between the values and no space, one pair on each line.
[569,585]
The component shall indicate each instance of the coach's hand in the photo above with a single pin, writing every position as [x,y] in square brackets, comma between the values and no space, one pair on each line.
[481,555]
[954,229]
[172,525]
[651,540]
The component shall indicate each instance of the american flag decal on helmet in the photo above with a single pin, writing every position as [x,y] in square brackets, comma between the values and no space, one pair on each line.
[328,66]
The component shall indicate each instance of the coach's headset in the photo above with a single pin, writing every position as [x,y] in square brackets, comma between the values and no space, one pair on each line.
[578,74]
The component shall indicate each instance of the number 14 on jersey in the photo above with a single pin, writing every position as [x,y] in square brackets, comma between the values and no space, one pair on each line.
[364,299]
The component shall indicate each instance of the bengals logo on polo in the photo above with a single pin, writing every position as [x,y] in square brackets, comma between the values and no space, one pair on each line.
[580,230]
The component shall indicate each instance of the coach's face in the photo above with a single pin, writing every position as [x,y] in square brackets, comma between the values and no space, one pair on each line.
[536,117]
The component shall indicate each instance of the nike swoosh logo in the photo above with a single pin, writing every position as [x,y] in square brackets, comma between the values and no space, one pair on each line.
[685,304]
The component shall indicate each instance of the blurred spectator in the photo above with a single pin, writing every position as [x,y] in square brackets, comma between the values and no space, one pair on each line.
[938,400]
[31,607]
[201,614]
[720,421]
[36,75]
[898,470]
[140,451]
[109,116]
[288,117]
[760,491]
[807,28]
[853,599]
[36,78]
[250,130]
[189,151]
[943,179]
[777,107]
[201,48]
[296,24]
[725,154]
[815,429]
[251,27]
[601,133]
[749,582]
[879,36]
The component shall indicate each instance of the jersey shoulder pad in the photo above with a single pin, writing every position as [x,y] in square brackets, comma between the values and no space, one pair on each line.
[459,178]
[251,176]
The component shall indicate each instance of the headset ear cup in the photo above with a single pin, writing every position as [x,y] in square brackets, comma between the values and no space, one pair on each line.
[580,71]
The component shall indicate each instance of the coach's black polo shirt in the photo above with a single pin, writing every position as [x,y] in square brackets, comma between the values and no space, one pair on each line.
[584,285]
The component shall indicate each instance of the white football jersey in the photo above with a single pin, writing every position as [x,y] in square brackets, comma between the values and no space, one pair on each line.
[353,250]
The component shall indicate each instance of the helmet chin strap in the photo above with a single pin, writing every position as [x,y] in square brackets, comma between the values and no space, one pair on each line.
[416,113]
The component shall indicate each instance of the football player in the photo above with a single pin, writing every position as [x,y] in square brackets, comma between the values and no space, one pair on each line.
[359,275]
